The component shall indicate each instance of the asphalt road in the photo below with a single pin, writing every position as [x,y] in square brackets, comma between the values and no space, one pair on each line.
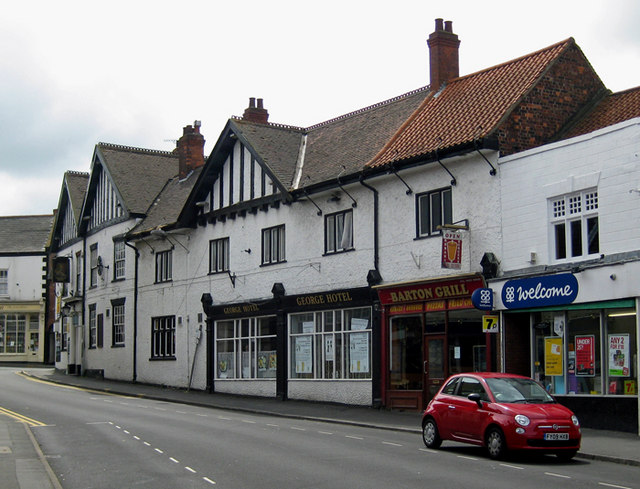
[96,440]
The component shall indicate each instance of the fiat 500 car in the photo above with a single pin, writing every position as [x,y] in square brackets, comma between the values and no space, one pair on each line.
[500,412]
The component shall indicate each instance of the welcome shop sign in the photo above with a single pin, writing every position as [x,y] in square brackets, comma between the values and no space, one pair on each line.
[549,290]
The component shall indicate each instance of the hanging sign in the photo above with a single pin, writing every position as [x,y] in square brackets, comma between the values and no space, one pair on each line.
[482,299]
[549,290]
[451,249]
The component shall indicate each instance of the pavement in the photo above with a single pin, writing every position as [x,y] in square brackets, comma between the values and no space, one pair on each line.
[23,466]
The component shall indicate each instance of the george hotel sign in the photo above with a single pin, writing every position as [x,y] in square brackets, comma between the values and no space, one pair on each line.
[550,290]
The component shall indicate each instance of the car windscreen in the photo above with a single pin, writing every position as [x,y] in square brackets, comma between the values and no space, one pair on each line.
[516,390]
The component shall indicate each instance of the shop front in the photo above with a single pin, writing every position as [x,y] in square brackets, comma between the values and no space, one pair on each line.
[316,346]
[430,330]
[584,353]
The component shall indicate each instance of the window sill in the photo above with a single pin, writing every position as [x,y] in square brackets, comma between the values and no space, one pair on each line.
[160,359]
[427,236]
[339,252]
[273,263]
[119,345]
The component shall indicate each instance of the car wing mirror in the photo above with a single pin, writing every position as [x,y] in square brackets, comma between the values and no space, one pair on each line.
[475,397]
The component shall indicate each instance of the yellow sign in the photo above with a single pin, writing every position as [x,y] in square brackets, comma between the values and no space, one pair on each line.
[553,355]
[489,324]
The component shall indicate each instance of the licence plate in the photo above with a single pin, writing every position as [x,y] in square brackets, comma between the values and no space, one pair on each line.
[556,436]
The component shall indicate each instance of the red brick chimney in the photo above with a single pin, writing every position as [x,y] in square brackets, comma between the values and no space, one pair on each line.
[255,114]
[190,149]
[443,54]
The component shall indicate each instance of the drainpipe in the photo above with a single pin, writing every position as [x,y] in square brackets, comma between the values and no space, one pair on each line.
[135,312]
[375,223]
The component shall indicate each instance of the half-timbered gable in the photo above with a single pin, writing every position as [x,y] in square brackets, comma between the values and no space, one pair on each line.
[70,203]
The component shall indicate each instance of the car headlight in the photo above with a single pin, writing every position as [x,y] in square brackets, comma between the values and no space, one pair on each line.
[522,420]
[574,420]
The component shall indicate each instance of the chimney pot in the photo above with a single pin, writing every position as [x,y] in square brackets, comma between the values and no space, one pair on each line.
[443,54]
[190,149]
[256,114]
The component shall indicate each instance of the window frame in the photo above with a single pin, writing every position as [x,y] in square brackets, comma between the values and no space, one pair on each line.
[119,260]
[164,266]
[118,322]
[163,338]
[4,282]
[93,264]
[220,262]
[272,255]
[574,222]
[93,327]
[335,239]
[424,205]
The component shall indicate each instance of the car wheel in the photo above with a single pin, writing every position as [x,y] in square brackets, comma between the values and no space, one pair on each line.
[430,434]
[495,443]
[566,454]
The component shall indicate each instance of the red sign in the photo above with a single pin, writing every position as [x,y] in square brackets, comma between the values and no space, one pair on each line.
[429,291]
[585,356]
[451,249]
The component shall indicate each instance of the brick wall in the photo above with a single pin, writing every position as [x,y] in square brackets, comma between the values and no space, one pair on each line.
[569,85]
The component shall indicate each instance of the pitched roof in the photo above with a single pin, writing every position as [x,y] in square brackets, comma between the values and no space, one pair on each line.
[77,189]
[468,108]
[614,108]
[24,234]
[138,174]
[340,145]
[167,206]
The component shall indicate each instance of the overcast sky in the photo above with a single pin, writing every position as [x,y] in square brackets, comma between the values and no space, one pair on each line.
[75,73]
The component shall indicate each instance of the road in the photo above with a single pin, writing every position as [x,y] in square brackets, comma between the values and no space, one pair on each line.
[95,440]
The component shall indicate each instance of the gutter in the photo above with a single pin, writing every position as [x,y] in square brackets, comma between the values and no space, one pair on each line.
[134,374]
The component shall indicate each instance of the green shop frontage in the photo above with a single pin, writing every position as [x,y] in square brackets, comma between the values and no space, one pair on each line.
[585,353]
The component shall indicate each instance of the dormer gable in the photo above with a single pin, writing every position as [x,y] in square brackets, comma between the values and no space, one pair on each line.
[67,219]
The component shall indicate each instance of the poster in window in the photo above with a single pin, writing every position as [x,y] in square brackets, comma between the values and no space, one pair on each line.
[329,353]
[358,324]
[618,355]
[303,354]
[553,355]
[225,365]
[267,361]
[585,356]
[359,353]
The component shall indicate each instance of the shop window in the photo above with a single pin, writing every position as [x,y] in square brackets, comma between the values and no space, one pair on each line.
[12,333]
[332,344]
[433,209]
[338,232]
[467,342]
[621,351]
[406,362]
[246,348]
[574,225]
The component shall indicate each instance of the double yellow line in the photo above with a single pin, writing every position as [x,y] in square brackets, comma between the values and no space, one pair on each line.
[21,417]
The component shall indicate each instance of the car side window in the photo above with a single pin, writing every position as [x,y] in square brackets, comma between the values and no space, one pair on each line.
[450,387]
[469,385]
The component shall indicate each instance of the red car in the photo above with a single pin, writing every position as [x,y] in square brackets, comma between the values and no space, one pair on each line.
[500,412]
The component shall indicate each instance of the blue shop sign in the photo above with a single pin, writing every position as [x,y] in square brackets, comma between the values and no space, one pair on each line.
[482,299]
[550,290]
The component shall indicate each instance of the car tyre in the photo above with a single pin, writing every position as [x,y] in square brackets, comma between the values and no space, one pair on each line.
[495,443]
[566,455]
[430,434]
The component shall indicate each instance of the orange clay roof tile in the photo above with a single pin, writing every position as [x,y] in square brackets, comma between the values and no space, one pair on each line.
[468,108]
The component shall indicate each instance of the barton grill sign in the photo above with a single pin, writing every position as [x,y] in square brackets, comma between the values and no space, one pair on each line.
[551,290]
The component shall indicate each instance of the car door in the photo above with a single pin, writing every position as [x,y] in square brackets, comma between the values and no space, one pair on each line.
[465,416]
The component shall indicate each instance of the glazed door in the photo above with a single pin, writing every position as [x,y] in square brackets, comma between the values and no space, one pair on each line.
[405,388]
[435,365]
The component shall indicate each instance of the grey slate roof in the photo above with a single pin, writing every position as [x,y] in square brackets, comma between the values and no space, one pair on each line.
[340,145]
[166,208]
[24,234]
[138,174]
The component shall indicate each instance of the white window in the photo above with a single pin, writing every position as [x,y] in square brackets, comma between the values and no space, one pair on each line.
[93,250]
[163,337]
[118,259]
[4,282]
[273,245]
[93,327]
[574,225]
[332,344]
[219,255]
[246,348]
[338,232]
[12,333]
[433,209]
[117,333]
[163,266]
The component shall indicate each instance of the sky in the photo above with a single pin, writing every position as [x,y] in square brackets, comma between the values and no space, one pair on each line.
[135,72]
